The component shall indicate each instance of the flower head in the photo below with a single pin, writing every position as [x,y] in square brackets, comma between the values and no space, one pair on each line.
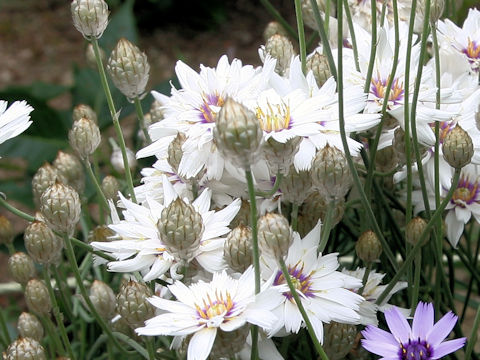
[424,340]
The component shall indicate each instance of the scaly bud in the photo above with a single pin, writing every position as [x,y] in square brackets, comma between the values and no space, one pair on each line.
[70,168]
[228,343]
[103,299]
[7,233]
[318,65]
[84,111]
[117,159]
[368,247]
[29,326]
[280,47]
[331,174]
[21,267]
[457,148]
[338,339]
[315,208]
[308,15]
[243,215]
[90,17]
[132,303]
[110,187]
[175,152]
[436,9]
[61,208]
[274,235]
[237,133]
[41,243]
[279,155]
[84,137]
[386,159]
[296,186]
[25,349]
[156,112]
[128,67]
[100,233]
[273,28]
[37,298]
[181,229]
[45,177]
[414,230]
[237,250]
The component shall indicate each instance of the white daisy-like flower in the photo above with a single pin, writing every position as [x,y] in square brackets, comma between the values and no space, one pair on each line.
[140,247]
[204,308]
[371,292]
[192,110]
[323,290]
[14,120]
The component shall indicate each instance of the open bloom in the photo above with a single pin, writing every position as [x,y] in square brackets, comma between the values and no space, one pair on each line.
[423,341]
[202,309]
[14,120]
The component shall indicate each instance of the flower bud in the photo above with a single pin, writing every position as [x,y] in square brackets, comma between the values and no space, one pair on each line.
[132,303]
[386,159]
[338,339]
[307,12]
[7,233]
[181,229]
[175,152]
[41,243]
[70,168]
[25,348]
[457,148]
[29,326]
[90,17]
[84,111]
[45,177]
[129,69]
[243,215]
[156,112]
[274,235]
[414,230]
[103,299]
[237,250]
[280,47]
[436,9]
[117,159]
[84,137]
[237,133]
[273,28]
[37,298]
[279,155]
[92,59]
[318,65]
[100,233]
[315,208]
[61,208]
[331,174]
[368,247]
[228,343]
[296,186]
[21,267]
[110,187]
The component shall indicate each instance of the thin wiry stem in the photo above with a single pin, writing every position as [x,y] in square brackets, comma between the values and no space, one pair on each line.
[301,35]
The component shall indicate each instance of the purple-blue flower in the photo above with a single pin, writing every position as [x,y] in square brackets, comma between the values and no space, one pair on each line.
[423,341]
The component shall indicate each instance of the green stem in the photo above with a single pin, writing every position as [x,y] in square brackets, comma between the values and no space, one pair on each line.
[416,281]
[114,115]
[373,46]
[352,34]
[15,211]
[328,4]
[473,337]
[50,330]
[271,9]
[327,226]
[298,301]
[276,186]
[150,348]
[255,251]
[368,269]
[63,297]
[141,119]
[301,35]
[6,340]
[73,263]
[89,248]
[92,176]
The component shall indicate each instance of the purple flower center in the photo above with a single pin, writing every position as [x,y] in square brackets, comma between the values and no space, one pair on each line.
[445,128]
[415,350]
[466,193]
[379,87]
[274,117]
[222,305]
[300,281]
[472,50]
[210,107]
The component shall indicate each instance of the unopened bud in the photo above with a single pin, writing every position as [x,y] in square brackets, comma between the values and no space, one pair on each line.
[398,145]
[7,233]
[308,14]
[45,177]
[228,343]
[237,133]
[21,267]
[25,348]
[37,298]
[84,137]
[156,112]
[132,303]
[60,206]
[280,155]
[117,159]
[128,67]
[273,28]
[457,148]
[274,235]
[181,229]
[436,9]
[243,215]
[110,187]
[338,339]
[29,326]
[90,17]
[330,173]
[296,186]
[314,208]
[386,159]
[41,243]
[92,59]
[280,48]
[175,152]
[237,250]
[103,299]
[318,65]
[70,168]
[415,229]
[100,233]
[84,111]
[368,247]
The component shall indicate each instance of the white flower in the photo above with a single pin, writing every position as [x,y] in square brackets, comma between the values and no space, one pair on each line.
[324,292]
[202,309]
[371,292]
[140,247]
[14,120]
